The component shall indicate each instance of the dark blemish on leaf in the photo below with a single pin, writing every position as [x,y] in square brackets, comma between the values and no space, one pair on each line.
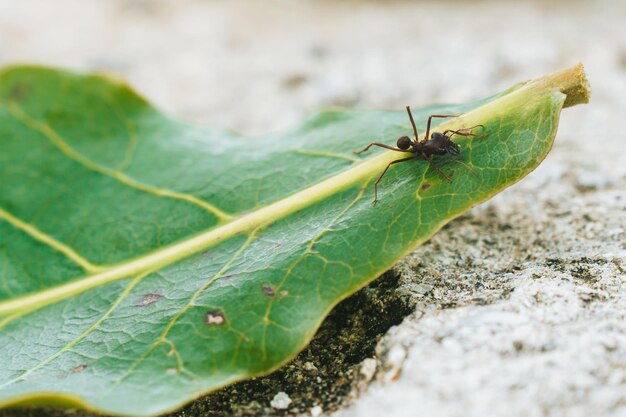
[80,368]
[426,186]
[214,318]
[18,92]
[148,299]
[269,291]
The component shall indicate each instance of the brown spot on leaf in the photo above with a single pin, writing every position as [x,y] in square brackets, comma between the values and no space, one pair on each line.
[269,291]
[148,299]
[426,186]
[18,92]
[80,368]
[214,318]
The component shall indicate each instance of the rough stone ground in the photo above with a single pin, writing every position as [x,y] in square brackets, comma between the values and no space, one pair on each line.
[518,307]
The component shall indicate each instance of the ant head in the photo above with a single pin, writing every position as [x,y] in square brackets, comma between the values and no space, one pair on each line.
[452,148]
[404,142]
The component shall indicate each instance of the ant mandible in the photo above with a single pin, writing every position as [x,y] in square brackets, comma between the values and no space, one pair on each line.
[436,144]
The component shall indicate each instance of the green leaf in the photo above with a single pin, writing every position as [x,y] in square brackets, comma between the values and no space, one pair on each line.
[145,261]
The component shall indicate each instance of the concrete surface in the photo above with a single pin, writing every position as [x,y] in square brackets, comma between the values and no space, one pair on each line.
[520,304]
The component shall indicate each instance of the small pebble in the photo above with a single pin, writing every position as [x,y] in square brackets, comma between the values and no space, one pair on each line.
[423,288]
[368,369]
[395,360]
[396,356]
[310,366]
[280,401]
[316,411]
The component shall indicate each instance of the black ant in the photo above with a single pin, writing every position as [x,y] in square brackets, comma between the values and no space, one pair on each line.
[436,144]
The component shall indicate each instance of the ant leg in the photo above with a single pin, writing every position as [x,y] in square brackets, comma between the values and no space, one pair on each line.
[437,115]
[383,174]
[466,166]
[408,110]
[432,164]
[382,145]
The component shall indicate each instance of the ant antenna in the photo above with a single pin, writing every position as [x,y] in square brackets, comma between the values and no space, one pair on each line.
[466,132]
[408,110]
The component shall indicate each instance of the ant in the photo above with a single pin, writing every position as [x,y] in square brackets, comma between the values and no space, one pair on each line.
[436,144]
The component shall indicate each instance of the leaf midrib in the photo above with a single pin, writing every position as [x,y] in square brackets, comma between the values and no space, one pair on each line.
[247,222]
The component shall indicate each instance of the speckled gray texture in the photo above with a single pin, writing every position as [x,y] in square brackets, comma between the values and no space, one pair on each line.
[520,303]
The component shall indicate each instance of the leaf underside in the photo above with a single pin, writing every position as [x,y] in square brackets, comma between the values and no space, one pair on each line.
[106,304]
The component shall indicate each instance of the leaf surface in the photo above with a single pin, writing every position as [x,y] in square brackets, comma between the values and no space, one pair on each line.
[145,261]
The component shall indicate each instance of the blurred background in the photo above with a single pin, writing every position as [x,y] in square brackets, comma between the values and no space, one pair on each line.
[256,66]
[260,66]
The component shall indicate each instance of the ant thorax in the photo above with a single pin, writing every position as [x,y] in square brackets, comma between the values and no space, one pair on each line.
[440,137]
[435,146]
[418,147]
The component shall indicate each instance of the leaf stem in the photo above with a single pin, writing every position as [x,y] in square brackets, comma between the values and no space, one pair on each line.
[571,81]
